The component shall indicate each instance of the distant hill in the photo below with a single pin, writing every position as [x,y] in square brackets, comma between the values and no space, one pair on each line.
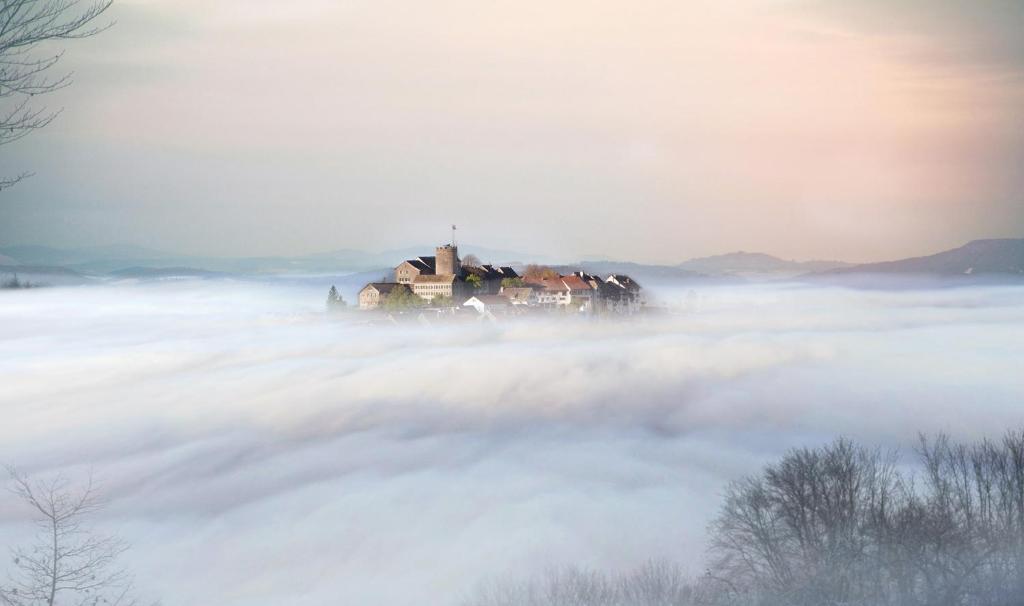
[50,256]
[1003,257]
[112,259]
[44,275]
[747,264]
[164,272]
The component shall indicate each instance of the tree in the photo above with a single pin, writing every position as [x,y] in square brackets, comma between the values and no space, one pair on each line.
[472,260]
[654,584]
[401,299]
[840,525]
[475,281]
[67,563]
[443,301]
[512,282]
[335,302]
[539,271]
[25,25]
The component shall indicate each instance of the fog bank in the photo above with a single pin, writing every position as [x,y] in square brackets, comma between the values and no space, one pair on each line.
[258,451]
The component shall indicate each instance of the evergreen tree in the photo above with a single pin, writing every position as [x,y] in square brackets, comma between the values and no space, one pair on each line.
[334,300]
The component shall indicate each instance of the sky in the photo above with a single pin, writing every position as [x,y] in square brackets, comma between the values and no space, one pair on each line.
[647,130]
[255,451]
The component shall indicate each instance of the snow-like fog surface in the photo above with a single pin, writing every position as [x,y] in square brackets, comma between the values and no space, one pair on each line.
[258,452]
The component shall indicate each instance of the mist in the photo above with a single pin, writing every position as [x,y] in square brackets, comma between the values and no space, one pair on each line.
[256,450]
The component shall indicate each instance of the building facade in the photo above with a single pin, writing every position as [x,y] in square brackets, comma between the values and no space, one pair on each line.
[374,293]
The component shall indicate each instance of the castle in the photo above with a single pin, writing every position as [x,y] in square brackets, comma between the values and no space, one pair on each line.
[444,282]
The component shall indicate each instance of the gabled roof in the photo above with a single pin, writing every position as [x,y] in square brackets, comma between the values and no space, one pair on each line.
[550,284]
[574,282]
[426,265]
[624,281]
[487,272]
[433,279]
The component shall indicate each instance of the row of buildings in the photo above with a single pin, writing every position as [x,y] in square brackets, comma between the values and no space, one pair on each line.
[443,281]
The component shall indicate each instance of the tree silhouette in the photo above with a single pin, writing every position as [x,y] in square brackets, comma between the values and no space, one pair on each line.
[67,563]
[25,74]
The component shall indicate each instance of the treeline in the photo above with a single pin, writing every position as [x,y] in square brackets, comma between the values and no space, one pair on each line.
[839,525]
[13,283]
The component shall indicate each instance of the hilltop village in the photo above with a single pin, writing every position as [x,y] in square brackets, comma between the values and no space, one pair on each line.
[447,285]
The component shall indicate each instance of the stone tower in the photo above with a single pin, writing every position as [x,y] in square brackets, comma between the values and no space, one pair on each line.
[447,260]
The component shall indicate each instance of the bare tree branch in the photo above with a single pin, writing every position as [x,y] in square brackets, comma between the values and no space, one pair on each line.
[67,562]
[25,25]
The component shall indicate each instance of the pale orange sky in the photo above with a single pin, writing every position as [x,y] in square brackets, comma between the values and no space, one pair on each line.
[647,130]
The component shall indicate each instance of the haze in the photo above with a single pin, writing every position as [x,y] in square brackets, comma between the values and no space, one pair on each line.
[646,130]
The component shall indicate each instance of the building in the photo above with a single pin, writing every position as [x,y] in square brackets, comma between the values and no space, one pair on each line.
[620,294]
[581,293]
[551,291]
[519,295]
[447,260]
[488,304]
[440,285]
[444,276]
[371,296]
[407,271]
[491,277]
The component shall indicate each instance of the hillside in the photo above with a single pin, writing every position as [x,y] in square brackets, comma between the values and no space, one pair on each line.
[755,264]
[979,257]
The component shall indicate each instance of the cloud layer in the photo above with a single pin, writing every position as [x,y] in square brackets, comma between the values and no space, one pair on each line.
[256,451]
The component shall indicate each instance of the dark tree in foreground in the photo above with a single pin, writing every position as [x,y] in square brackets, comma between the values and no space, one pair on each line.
[67,563]
[840,525]
[26,61]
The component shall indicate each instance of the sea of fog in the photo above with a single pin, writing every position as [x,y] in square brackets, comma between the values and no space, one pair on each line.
[256,451]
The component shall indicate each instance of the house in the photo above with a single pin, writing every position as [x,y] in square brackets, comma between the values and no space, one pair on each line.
[519,295]
[371,296]
[581,293]
[550,291]
[620,294]
[488,304]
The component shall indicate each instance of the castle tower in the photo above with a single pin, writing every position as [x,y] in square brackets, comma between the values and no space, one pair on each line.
[447,260]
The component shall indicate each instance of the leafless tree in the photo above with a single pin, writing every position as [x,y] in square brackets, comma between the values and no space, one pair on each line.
[26,62]
[67,563]
[840,525]
[472,260]
[534,270]
[654,584]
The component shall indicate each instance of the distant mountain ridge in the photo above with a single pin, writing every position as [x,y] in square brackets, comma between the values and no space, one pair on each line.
[747,263]
[979,257]
[994,257]
[109,259]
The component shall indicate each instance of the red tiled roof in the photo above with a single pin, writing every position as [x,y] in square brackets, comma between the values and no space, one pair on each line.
[576,283]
